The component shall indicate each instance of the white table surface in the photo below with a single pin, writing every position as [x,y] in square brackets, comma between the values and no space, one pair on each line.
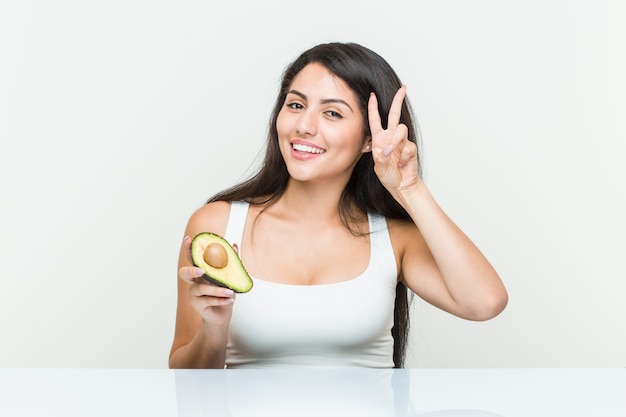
[314,392]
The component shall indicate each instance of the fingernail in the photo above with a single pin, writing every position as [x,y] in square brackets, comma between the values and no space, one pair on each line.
[228,292]
[199,271]
[387,151]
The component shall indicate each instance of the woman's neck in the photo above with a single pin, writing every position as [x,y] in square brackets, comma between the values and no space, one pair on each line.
[311,202]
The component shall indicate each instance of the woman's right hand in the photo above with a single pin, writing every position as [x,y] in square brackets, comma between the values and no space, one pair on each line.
[212,302]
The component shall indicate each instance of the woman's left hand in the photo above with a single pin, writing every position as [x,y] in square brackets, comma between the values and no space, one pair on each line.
[395,157]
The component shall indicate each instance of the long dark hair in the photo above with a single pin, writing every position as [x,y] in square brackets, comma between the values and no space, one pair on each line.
[364,71]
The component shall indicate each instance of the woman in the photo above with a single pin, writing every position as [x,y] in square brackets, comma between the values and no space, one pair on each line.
[334,228]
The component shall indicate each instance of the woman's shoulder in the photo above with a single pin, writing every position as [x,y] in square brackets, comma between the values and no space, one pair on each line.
[211,217]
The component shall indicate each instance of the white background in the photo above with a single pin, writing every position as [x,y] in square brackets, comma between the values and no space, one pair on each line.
[119,118]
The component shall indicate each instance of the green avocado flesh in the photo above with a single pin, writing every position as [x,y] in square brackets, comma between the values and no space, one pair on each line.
[233,275]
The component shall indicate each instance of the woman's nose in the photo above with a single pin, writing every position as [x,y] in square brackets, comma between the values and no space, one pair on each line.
[307,123]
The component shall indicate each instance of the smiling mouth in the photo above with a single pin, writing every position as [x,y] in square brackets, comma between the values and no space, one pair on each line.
[307,149]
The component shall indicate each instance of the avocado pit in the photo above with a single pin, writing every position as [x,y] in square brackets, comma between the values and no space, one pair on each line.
[216,255]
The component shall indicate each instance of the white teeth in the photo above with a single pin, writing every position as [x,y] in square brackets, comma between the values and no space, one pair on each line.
[306,148]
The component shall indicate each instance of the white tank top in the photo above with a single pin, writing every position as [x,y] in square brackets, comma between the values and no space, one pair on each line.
[328,325]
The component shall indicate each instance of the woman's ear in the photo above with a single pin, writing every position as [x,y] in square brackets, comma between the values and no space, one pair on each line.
[367,146]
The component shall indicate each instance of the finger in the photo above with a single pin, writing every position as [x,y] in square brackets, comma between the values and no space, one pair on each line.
[187,249]
[202,303]
[190,274]
[216,296]
[381,157]
[396,108]
[374,115]
[400,135]
[409,152]
[221,301]
[384,168]
[206,289]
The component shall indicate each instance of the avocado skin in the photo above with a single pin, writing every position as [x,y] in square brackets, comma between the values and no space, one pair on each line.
[240,283]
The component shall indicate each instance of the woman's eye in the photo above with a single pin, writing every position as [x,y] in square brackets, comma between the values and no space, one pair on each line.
[295,106]
[334,114]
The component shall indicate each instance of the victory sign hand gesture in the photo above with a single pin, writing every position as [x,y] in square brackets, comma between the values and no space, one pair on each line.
[395,157]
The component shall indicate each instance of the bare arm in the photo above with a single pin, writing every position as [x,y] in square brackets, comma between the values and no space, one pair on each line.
[438,261]
[441,264]
[204,310]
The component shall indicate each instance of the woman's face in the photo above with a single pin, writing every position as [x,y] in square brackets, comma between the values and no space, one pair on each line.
[320,126]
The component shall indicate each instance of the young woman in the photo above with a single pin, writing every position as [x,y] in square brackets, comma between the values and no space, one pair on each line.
[334,228]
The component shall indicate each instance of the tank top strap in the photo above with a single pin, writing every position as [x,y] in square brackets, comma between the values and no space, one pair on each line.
[380,242]
[236,222]
[377,223]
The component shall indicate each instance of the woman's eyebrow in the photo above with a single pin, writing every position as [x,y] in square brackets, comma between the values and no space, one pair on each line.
[324,101]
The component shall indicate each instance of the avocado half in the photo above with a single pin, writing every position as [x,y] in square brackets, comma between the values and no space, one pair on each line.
[222,266]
